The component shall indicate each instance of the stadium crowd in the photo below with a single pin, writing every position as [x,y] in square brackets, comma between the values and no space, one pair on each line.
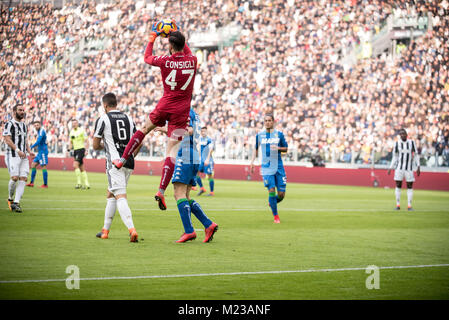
[287,60]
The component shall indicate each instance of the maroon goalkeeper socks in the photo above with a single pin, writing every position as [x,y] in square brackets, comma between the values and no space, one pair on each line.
[167,172]
[132,145]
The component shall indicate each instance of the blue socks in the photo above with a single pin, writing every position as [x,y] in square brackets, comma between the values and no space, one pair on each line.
[211,184]
[184,212]
[45,175]
[33,174]
[185,208]
[199,213]
[198,180]
[273,201]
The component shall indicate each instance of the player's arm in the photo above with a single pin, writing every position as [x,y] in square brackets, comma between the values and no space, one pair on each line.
[96,144]
[394,160]
[416,159]
[40,136]
[255,153]
[11,144]
[148,57]
[187,49]
[98,134]
[209,155]
[283,145]
[31,153]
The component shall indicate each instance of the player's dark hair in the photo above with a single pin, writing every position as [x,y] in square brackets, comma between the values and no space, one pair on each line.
[403,130]
[203,128]
[269,115]
[16,106]
[177,40]
[110,100]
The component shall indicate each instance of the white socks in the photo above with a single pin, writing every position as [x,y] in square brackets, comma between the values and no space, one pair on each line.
[398,196]
[409,196]
[11,188]
[109,212]
[125,212]
[19,190]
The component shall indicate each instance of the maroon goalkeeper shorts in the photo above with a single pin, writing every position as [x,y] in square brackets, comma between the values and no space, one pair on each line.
[177,122]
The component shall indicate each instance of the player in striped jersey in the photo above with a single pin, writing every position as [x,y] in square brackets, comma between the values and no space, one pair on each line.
[15,135]
[115,129]
[405,158]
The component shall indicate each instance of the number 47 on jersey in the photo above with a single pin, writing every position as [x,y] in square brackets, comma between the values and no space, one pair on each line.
[171,78]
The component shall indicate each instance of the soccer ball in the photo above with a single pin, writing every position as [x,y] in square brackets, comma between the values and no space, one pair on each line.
[165,27]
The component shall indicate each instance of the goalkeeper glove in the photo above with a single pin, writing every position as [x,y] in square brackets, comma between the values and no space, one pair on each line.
[154,33]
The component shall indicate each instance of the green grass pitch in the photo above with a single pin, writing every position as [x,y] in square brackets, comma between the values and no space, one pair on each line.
[322,227]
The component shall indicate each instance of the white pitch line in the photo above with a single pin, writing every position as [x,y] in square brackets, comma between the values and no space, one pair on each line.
[223,274]
[233,209]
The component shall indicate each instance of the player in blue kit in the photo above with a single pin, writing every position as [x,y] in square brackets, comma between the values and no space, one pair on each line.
[272,143]
[42,155]
[207,162]
[186,169]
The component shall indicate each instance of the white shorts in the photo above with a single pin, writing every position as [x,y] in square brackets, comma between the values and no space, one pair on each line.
[118,180]
[17,167]
[399,175]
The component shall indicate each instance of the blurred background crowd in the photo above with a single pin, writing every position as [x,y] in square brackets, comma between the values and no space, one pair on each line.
[287,60]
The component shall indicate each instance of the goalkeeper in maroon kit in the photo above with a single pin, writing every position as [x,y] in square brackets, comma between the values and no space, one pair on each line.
[178,72]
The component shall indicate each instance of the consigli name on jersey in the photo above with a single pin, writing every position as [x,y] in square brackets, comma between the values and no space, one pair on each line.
[189,64]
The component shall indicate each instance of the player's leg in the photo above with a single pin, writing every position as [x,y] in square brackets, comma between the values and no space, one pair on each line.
[409,178]
[109,212]
[281,185]
[398,177]
[409,195]
[86,184]
[126,215]
[118,180]
[43,162]
[270,184]
[209,227]
[45,177]
[76,167]
[167,171]
[180,193]
[34,170]
[24,169]
[135,141]
[210,177]
[199,181]
[13,169]
[397,193]
[11,190]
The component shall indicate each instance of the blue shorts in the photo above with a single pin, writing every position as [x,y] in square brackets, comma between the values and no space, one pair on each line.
[185,172]
[277,180]
[209,169]
[42,158]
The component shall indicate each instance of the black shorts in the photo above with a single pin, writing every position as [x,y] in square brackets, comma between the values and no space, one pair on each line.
[78,155]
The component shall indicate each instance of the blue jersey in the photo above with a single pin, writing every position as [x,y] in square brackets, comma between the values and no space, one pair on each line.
[206,145]
[188,150]
[271,159]
[41,141]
